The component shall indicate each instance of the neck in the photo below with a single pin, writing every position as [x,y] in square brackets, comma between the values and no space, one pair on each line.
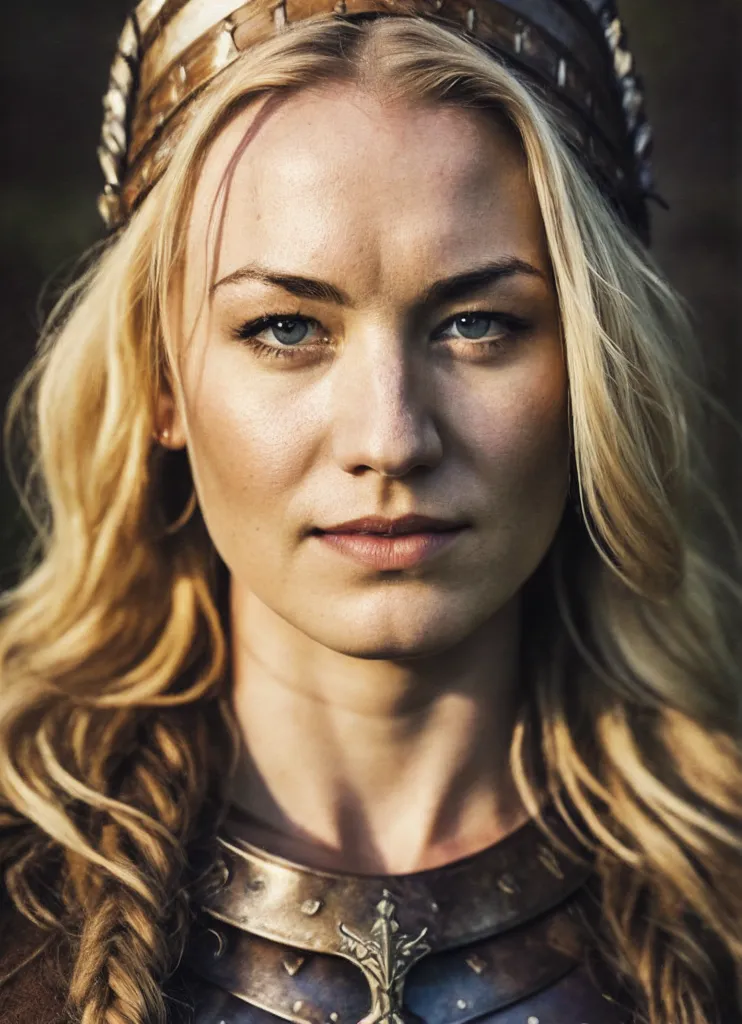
[373,766]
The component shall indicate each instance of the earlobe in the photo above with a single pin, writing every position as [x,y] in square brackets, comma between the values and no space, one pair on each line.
[168,429]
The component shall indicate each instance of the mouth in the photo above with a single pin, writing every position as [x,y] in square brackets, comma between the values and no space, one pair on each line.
[389,551]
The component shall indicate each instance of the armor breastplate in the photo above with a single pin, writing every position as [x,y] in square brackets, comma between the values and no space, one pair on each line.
[494,938]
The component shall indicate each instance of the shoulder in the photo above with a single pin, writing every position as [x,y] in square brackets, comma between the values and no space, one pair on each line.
[31,987]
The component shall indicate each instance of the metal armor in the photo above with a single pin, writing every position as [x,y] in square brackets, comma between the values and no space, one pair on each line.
[496,938]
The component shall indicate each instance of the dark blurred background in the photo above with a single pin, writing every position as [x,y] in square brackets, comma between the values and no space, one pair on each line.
[54,59]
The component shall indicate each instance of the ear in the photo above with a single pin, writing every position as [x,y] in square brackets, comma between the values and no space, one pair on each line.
[169,418]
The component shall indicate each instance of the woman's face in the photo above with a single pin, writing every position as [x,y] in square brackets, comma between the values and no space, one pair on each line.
[414,365]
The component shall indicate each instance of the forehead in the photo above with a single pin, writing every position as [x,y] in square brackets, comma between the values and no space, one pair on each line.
[336,178]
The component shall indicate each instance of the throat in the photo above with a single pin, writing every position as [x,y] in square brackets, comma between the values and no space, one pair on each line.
[366,858]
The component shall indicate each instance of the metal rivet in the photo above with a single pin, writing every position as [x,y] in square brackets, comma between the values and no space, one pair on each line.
[279,15]
[299,1004]
[225,49]
[176,87]
[221,942]
[292,962]
[550,862]
[549,859]
[333,1017]
[533,1020]
[310,907]
[476,963]
[507,884]
[461,1004]
[222,868]
[434,906]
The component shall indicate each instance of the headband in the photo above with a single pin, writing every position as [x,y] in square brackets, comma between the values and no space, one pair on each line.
[574,50]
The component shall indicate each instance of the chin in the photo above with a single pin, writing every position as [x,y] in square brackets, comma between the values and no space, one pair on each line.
[398,629]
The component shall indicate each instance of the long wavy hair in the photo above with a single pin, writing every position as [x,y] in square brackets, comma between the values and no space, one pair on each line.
[117,741]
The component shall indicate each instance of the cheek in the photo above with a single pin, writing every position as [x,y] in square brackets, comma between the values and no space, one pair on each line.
[521,434]
[248,448]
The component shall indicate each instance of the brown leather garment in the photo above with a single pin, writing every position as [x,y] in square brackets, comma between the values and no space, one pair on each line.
[35,993]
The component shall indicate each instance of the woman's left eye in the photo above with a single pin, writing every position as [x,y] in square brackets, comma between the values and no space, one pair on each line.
[487,328]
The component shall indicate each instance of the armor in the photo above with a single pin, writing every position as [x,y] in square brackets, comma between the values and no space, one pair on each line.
[499,937]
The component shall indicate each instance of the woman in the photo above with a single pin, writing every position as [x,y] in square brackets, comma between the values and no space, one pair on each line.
[372,662]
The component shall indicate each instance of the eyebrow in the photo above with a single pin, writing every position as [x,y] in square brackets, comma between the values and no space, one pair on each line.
[446,289]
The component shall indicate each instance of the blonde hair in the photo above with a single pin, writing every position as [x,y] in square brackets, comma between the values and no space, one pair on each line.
[117,741]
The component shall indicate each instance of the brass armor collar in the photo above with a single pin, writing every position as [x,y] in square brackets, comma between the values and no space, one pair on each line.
[481,895]
[447,945]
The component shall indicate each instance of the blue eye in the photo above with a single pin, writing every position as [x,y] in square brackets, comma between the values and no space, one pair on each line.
[472,326]
[289,331]
[485,325]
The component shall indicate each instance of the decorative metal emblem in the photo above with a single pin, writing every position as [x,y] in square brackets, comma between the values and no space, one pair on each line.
[385,956]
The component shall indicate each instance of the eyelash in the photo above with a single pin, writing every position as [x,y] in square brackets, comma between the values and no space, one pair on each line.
[247,332]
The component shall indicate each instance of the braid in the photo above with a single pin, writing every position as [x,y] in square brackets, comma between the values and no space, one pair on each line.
[132,937]
[108,981]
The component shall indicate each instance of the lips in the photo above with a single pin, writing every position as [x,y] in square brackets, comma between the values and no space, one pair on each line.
[383,552]
[381,526]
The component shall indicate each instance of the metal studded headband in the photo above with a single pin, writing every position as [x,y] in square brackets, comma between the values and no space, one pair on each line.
[575,50]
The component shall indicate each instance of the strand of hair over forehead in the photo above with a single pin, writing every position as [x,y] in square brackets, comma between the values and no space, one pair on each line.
[116,740]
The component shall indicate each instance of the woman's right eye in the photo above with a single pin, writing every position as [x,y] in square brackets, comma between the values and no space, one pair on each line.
[287,331]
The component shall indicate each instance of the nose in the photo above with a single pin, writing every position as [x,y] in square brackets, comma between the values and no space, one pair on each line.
[384,406]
